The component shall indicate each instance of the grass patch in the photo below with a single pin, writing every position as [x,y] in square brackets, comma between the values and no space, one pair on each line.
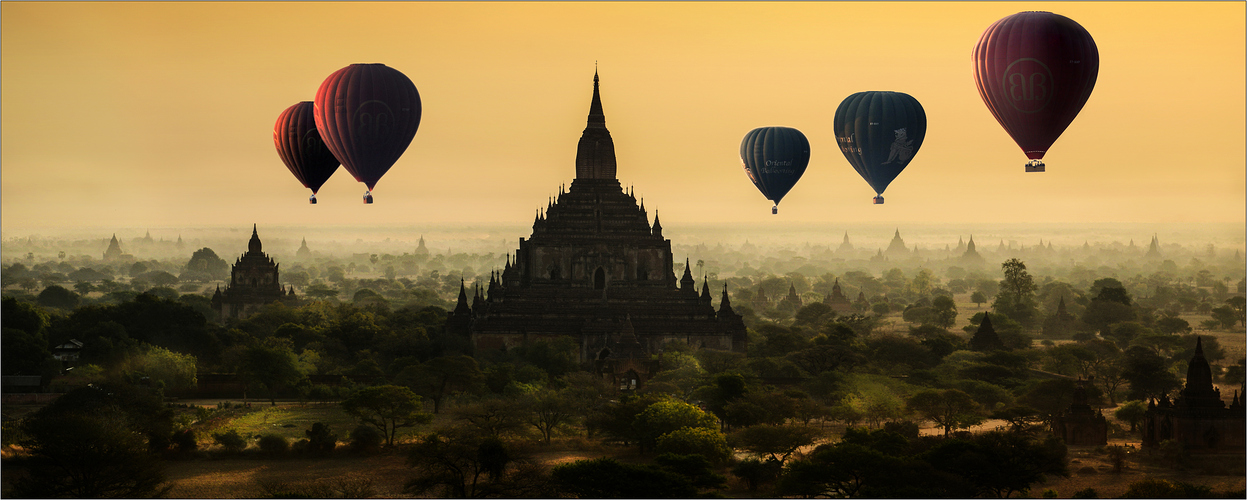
[288,421]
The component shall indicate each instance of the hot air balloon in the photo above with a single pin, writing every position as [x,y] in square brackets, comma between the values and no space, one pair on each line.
[1035,71]
[367,115]
[301,149]
[774,159]
[879,133]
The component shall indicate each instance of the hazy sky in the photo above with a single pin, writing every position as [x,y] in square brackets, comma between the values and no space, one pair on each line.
[161,114]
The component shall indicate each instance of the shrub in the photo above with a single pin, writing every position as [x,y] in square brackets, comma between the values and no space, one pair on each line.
[1160,488]
[1086,493]
[709,443]
[366,438]
[273,444]
[231,441]
[756,472]
[321,439]
[185,441]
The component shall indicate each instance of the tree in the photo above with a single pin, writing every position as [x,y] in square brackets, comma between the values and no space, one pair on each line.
[668,416]
[1000,463]
[547,409]
[1225,316]
[1133,412]
[272,367]
[1111,305]
[950,408]
[96,442]
[461,464]
[166,369]
[58,296]
[206,261]
[388,408]
[943,312]
[1016,298]
[438,377]
[776,442]
[607,478]
[708,443]
[1239,304]
[1148,374]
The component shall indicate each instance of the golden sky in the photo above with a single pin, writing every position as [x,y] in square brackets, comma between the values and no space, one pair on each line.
[161,114]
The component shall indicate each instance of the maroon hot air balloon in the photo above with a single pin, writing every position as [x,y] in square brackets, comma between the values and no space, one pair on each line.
[301,149]
[367,114]
[1035,71]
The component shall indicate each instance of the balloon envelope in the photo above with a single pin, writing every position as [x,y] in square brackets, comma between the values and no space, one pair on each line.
[1035,71]
[879,133]
[367,114]
[775,158]
[300,147]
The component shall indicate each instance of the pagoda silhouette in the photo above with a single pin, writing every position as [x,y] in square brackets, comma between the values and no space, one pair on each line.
[595,270]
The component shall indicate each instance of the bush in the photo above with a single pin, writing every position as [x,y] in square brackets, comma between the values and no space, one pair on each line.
[273,444]
[185,441]
[231,441]
[756,472]
[709,443]
[1086,493]
[366,438]
[1160,488]
[321,439]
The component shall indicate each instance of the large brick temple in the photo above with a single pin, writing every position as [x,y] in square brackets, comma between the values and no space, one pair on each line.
[597,271]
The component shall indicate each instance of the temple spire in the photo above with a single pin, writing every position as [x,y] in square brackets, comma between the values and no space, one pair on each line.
[254,244]
[595,155]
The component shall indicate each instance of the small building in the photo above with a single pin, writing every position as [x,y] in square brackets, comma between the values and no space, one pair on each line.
[254,283]
[838,301]
[68,352]
[1198,418]
[1080,425]
[985,338]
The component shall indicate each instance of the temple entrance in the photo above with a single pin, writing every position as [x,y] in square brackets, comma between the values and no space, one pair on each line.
[599,279]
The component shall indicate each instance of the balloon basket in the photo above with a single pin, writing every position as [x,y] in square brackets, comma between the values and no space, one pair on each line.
[774,209]
[1034,166]
[368,198]
[878,200]
[311,200]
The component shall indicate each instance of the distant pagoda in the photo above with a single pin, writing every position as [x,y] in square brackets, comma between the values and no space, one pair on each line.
[897,247]
[596,271]
[114,249]
[253,284]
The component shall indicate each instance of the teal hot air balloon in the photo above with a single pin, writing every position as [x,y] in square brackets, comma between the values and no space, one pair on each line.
[774,159]
[879,133]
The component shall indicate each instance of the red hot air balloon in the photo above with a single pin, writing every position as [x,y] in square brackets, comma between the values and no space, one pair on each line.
[1035,71]
[301,149]
[367,114]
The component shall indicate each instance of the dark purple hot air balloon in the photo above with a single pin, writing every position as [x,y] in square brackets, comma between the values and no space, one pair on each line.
[774,159]
[367,115]
[1035,71]
[301,149]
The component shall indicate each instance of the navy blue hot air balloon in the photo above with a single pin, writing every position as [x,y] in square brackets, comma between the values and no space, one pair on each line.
[774,159]
[879,133]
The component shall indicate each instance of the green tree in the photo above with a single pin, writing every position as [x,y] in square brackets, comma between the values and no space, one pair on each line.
[950,408]
[388,408]
[776,442]
[1016,298]
[439,377]
[270,367]
[1133,412]
[943,312]
[547,409]
[1148,374]
[1000,463]
[708,443]
[1225,316]
[607,478]
[166,369]
[459,464]
[96,442]
[206,261]
[668,416]
[59,297]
